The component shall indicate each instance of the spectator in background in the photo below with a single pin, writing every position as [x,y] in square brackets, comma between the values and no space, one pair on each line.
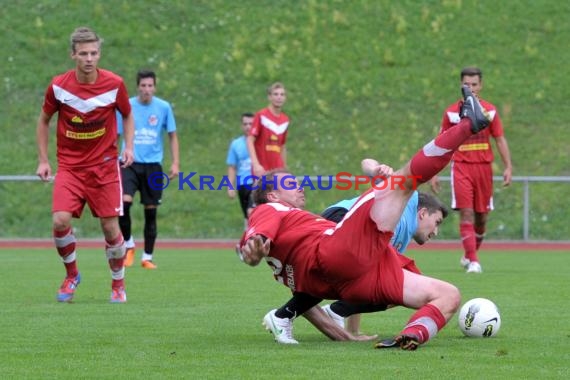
[268,135]
[153,116]
[472,172]
[239,163]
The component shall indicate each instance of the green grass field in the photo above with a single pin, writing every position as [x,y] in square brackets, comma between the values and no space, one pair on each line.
[199,317]
[365,78]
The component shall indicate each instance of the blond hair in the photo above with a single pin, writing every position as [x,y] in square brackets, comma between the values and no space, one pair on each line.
[275,86]
[84,34]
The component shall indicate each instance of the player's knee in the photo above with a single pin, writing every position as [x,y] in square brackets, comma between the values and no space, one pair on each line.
[453,297]
[61,222]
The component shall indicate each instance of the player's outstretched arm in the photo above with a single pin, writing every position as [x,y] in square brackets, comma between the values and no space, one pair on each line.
[328,327]
[254,249]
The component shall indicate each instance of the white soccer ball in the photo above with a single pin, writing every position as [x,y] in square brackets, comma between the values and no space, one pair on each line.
[479,318]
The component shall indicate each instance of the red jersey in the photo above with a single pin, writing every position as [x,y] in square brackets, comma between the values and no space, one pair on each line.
[477,148]
[86,122]
[295,236]
[270,133]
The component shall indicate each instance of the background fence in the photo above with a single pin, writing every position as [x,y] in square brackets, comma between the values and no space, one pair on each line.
[518,215]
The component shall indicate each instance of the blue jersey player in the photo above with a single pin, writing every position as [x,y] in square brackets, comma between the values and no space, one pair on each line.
[153,118]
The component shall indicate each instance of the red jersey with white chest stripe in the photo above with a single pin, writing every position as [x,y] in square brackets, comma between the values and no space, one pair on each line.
[86,123]
[270,133]
[477,148]
[295,236]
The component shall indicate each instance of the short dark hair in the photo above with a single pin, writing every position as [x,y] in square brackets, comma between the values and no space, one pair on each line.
[471,71]
[431,203]
[264,185]
[247,114]
[141,74]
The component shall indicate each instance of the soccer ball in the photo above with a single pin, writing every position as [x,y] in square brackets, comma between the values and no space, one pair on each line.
[479,318]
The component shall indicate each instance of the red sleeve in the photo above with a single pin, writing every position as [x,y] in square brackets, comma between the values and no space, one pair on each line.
[50,105]
[264,220]
[256,126]
[496,127]
[123,104]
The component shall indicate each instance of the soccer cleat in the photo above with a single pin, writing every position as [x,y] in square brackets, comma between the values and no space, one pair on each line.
[405,342]
[473,110]
[129,257]
[474,267]
[281,328]
[147,264]
[464,261]
[118,295]
[339,320]
[67,289]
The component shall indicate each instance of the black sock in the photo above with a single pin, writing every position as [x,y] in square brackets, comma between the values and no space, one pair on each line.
[297,305]
[345,309]
[125,220]
[150,230]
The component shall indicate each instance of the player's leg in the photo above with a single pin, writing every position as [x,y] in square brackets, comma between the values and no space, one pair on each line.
[393,194]
[67,203]
[480,227]
[483,204]
[115,252]
[151,197]
[130,186]
[280,321]
[244,192]
[150,233]
[463,191]
[436,302]
[105,198]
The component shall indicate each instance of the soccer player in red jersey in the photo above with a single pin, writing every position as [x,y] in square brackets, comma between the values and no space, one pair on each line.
[472,173]
[86,99]
[268,134]
[353,260]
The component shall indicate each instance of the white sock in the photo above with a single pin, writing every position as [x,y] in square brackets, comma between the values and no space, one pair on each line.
[146,257]
[130,243]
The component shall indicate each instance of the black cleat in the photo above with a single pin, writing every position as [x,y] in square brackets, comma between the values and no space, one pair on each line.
[405,342]
[473,110]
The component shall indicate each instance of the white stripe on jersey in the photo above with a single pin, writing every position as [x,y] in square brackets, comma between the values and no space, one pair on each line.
[360,202]
[278,129]
[85,105]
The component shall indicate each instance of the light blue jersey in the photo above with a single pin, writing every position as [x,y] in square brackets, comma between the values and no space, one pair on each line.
[407,226]
[238,156]
[151,120]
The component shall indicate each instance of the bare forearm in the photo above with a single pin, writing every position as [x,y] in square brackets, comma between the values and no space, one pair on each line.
[251,150]
[504,152]
[42,138]
[326,325]
[174,149]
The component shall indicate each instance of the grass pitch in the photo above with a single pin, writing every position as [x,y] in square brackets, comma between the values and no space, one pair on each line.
[199,317]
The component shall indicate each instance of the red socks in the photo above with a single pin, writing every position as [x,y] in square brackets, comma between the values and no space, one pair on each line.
[425,323]
[479,236]
[65,244]
[436,154]
[467,232]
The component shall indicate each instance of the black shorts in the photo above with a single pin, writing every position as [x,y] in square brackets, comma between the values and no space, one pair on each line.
[334,214]
[244,193]
[135,178]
